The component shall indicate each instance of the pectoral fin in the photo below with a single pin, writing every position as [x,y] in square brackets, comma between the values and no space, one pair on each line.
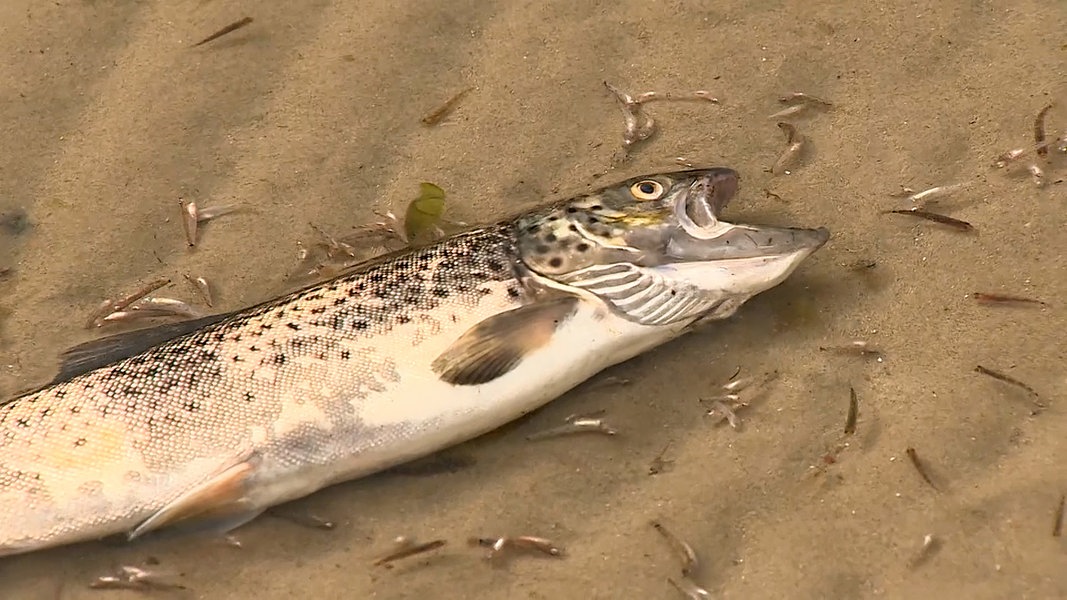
[217,503]
[498,344]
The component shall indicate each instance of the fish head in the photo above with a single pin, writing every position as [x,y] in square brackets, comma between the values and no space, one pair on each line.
[656,249]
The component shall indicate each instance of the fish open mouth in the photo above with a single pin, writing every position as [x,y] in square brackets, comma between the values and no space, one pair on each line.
[699,208]
[703,236]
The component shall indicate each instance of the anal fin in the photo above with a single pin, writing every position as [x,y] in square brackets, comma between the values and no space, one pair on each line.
[498,344]
[219,503]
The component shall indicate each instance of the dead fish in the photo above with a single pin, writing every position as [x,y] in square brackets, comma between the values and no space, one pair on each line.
[795,143]
[207,423]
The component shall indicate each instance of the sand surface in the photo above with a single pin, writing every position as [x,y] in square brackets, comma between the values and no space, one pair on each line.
[311,115]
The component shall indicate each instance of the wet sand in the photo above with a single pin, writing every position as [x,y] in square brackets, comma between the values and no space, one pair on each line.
[311,115]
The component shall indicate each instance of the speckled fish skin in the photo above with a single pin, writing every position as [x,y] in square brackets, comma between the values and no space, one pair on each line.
[400,358]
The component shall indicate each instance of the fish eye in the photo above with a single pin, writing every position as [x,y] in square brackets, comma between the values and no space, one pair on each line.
[647,190]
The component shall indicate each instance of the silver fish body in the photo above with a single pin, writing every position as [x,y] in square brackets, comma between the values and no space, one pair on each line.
[404,356]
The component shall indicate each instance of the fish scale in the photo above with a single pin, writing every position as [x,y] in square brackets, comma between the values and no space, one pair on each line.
[180,411]
[209,422]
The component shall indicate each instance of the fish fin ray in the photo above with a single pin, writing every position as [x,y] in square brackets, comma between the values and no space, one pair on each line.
[498,344]
[94,354]
[220,500]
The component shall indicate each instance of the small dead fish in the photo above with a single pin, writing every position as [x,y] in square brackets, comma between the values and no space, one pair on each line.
[934,192]
[802,98]
[855,348]
[575,424]
[697,95]
[333,245]
[689,588]
[638,125]
[153,308]
[660,464]
[214,212]
[109,306]
[1009,157]
[190,219]
[920,467]
[685,552]
[204,288]
[439,113]
[724,406]
[794,147]
[522,542]
[789,111]
[1039,131]
[1006,379]
[853,411]
[956,224]
[225,30]
[985,298]
[1037,174]
[408,548]
[134,578]
[931,545]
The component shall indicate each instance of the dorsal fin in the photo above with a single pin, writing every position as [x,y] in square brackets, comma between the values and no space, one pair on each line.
[113,348]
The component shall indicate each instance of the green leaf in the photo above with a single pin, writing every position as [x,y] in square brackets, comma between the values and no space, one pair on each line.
[424,212]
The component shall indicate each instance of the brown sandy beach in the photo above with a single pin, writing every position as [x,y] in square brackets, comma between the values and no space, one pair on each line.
[311,114]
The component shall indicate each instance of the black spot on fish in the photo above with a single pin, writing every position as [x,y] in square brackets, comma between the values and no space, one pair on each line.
[345,354]
[513,291]
[191,406]
[23,422]
[249,396]
[293,326]
[339,301]
[440,292]
[572,209]
[360,325]
[318,310]
[237,358]
[279,359]
[80,442]
[582,247]
[555,262]
[551,238]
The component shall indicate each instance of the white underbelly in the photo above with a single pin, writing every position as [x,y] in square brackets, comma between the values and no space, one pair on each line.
[421,414]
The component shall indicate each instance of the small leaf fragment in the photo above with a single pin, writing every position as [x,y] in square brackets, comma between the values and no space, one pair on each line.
[424,213]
